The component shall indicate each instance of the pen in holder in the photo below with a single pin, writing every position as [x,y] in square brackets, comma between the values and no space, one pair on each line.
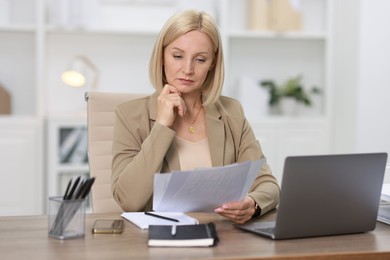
[66,218]
[67,213]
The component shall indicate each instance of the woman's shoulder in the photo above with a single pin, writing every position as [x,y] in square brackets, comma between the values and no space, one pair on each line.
[229,101]
[139,101]
[138,108]
[135,102]
[229,105]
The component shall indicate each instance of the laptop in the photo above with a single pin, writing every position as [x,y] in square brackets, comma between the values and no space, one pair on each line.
[325,195]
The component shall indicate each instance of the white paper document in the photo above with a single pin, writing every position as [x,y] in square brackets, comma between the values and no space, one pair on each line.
[203,190]
[143,221]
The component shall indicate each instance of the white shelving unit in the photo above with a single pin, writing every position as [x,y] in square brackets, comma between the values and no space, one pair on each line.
[258,55]
[40,48]
[21,133]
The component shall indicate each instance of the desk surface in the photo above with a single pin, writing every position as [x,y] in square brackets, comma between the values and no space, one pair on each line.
[26,238]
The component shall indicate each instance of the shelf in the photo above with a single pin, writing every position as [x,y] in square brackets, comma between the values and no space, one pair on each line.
[18,28]
[278,35]
[113,32]
[280,119]
[17,119]
[73,168]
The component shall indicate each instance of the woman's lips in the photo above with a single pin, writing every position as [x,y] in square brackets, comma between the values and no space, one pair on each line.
[185,81]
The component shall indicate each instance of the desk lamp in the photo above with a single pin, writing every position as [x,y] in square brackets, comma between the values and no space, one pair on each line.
[81,72]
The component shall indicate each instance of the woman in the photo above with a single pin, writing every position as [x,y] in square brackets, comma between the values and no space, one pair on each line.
[186,124]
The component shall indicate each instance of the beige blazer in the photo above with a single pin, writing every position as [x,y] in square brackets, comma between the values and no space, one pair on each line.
[142,147]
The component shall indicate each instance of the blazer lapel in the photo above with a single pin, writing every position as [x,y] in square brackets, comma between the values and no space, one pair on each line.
[216,135]
[172,159]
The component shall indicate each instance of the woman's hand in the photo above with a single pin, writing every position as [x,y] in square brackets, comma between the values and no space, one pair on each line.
[169,104]
[238,211]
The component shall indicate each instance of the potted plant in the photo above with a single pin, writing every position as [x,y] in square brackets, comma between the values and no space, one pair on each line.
[286,96]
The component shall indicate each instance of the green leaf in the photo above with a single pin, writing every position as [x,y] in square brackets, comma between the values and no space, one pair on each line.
[292,87]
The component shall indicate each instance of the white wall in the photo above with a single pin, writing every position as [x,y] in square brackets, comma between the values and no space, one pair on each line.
[344,71]
[373,128]
[361,62]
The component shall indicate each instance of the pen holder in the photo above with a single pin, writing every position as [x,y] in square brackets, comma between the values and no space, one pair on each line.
[66,218]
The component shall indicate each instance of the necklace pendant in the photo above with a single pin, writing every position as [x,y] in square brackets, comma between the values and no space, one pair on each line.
[192,129]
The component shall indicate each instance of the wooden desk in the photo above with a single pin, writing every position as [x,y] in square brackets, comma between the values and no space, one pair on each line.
[26,238]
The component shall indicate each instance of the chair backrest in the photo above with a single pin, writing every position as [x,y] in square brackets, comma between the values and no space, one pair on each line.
[101,116]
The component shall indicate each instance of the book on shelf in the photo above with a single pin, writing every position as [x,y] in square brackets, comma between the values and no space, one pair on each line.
[201,235]
[5,98]
[258,15]
[274,15]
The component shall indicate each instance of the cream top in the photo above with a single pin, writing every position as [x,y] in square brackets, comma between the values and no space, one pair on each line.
[193,155]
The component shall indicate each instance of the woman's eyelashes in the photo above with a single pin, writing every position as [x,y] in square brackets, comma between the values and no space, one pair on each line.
[201,60]
[197,59]
[177,57]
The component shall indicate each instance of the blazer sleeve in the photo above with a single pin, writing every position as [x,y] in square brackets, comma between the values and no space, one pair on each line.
[139,147]
[265,189]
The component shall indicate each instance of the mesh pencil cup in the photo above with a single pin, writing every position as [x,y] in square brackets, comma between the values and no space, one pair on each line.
[66,218]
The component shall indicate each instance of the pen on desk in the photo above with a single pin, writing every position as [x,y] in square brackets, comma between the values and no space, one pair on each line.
[159,216]
[173,230]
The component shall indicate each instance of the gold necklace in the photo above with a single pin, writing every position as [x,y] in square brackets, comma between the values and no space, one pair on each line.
[192,128]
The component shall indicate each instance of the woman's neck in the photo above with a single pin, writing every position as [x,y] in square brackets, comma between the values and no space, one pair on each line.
[193,102]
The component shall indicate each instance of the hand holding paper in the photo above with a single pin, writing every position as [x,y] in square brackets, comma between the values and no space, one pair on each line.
[203,190]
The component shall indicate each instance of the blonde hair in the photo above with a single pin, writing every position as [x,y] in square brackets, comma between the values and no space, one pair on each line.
[176,26]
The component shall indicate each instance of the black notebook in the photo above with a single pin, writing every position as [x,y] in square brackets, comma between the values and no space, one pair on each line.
[201,235]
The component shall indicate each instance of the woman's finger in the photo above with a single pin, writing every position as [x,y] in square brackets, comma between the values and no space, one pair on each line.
[168,89]
[169,103]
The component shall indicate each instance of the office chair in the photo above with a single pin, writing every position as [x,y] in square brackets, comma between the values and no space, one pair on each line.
[100,122]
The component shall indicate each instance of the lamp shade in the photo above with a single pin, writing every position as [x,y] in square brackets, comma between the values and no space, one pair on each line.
[82,72]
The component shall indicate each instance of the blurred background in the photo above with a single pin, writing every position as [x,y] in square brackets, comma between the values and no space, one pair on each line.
[312,75]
